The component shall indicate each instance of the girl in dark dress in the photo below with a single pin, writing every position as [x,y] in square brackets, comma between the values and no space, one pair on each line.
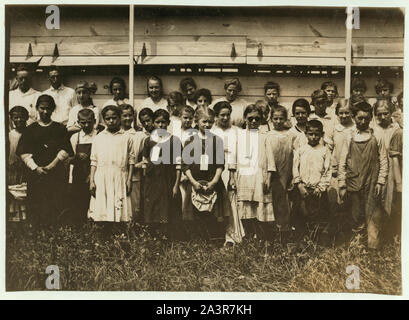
[162,155]
[43,147]
[203,164]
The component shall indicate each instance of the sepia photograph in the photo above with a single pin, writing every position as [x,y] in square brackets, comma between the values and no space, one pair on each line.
[165,148]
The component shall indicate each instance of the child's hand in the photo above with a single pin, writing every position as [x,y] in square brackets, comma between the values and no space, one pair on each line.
[266,186]
[210,186]
[378,190]
[92,188]
[232,183]
[82,156]
[197,186]
[41,171]
[128,187]
[302,190]
[342,193]
[317,192]
[49,167]
[175,191]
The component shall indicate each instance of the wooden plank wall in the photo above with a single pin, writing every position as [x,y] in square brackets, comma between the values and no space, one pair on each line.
[293,33]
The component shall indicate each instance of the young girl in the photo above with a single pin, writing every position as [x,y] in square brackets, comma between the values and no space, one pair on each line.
[279,144]
[127,119]
[225,130]
[343,128]
[331,90]
[301,111]
[112,161]
[162,155]
[184,134]
[202,98]
[155,98]
[117,87]
[44,146]
[271,93]
[16,171]
[188,87]
[203,157]
[83,91]
[264,126]
[384,129]
[232,88]
[254,171]
[175,104]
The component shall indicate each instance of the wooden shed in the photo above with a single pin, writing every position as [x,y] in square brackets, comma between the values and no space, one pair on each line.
[298,47]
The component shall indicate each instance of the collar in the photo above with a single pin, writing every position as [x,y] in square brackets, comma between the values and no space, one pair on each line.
[130,131]
[27,93]
[158,139]
[315,116]
[105,131]
[91,134]
[339,127]
[60,88]
[367,131]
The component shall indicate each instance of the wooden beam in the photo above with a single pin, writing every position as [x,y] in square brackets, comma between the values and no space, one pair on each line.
[131,54]
[297,61]
[348,55]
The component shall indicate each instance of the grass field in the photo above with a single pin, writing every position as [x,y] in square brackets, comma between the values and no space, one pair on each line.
[136,261]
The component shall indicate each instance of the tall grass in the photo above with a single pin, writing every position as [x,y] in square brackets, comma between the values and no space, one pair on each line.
[134,260]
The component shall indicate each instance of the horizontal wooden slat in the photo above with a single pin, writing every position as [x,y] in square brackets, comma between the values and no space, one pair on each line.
[218,46]
[157,60]
[377,47]
[107,46]
[297,61]
[362,62]
[84,61]
[70,46]
[296,46]
[329,22]
[23,59]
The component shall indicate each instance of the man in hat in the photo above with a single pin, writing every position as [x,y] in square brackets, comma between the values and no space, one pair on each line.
[83,92]
[64,97]
[24,95]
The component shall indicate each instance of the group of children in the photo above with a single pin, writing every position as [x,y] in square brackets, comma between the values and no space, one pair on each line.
[186,172]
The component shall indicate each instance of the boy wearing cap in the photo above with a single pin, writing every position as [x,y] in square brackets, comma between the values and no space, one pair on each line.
[83,92]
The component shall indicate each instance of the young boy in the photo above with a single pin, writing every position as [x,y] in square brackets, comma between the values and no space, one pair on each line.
[319,100]
[301,111]
[312,172]
[362,173]
[81,143]
[83,91]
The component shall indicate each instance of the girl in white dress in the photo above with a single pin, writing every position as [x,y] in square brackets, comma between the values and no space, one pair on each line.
[112,161]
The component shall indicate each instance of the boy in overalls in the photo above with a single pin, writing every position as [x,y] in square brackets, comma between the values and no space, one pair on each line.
[80,165]
[363,169]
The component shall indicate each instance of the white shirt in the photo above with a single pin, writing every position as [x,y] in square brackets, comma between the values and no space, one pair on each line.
[238,106]
[83,138]
[65,98]
[148,103]
[112,102]
[26,99]
[311,166]
[73,115]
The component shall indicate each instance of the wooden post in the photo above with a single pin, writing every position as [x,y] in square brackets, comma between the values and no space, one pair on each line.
[131,54]
[348,53]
